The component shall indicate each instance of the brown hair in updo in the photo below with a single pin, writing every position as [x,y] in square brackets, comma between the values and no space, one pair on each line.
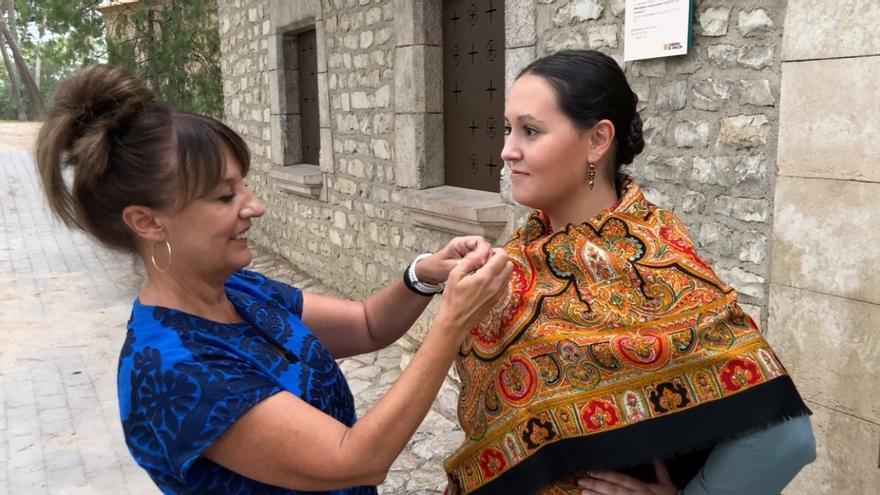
[126,147]
[589,87]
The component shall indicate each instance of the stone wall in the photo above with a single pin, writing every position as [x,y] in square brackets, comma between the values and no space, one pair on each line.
[825,283]
[710,119]
[355,237]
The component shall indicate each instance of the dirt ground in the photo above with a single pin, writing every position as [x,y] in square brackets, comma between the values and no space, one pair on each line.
[18,135]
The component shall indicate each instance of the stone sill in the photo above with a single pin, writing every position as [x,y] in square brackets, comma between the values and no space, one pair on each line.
[303,179]
[457,210]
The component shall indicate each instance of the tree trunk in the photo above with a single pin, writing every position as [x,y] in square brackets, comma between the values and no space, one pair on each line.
[152,59]
[38,53]
[23,71]
[13,84]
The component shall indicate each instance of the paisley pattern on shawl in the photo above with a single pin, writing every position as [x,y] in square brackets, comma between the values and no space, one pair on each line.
[615,343]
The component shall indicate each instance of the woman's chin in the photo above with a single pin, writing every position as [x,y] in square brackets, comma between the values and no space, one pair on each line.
[524,199]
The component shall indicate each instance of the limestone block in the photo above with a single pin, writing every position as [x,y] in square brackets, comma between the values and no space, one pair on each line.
[350,41]
[693,202]
[722,55]
[711,93]
[744,131]
[643,90]
[323,100]
[664,168]
[846,461]
[360,100]
[515,60]
[577,11]
[649,68]
[366,39]
[830,345]
[751,168]
[418,150]
[321,46]
[830,119]
[383,123]
[373,16]
[326,154]
[691,134]
[618,7]
[383,35]
[814,30]
[755,56]
[714,20]
[744,282]
[382,97]
[671,96]
[718,239]
[654,130]
[519,24]
[417,22]
[753,23]
[686,64]
[712,170]
[756,92]
[284,13]
[356,168]
[826,237]
[344,186]
[381,149]
[273,52]
[745,209]
[418,77]
[603,36]
[566,39]
[752,246]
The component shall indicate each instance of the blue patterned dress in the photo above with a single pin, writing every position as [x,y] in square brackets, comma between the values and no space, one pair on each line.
[184,380]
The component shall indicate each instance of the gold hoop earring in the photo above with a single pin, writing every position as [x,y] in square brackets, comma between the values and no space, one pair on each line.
[591,175]
[153,257]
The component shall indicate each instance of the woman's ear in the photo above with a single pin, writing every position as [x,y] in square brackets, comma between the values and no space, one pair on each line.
[601,140]
[144,223]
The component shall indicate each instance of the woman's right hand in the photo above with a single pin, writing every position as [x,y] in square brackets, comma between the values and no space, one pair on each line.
[473,288]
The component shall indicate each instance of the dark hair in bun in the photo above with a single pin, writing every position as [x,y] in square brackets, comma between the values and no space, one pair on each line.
[589,87]
[126,147]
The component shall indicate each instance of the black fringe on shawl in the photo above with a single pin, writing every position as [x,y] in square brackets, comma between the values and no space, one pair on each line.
[684,439]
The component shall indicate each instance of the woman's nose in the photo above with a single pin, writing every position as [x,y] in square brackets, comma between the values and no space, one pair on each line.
[253,208]
[510,152]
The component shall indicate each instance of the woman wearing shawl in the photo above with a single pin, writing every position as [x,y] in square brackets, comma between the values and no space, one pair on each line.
[618,362]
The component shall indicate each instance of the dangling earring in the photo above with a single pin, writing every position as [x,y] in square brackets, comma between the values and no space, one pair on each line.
[153,257]
[591,175]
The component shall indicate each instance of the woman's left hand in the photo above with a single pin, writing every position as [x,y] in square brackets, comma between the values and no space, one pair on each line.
[611,483]
[435,268]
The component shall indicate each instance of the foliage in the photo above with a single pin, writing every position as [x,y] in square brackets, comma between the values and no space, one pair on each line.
[62,34]
[175,46]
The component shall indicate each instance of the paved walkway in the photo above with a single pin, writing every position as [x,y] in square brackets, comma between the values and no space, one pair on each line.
[64,302]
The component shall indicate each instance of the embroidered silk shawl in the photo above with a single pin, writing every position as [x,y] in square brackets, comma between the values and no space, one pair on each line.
[616,343]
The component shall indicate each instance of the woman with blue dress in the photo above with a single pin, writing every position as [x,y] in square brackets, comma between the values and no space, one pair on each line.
[227,381]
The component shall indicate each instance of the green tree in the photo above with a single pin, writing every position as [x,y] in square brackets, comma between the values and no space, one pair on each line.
[175,46]
[55,37]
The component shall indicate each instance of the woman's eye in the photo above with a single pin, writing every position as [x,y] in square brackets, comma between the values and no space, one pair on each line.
[530,131]
[227,198]
[507,130]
